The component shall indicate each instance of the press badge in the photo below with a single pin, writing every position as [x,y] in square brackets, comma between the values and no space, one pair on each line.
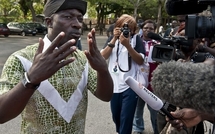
[115,69]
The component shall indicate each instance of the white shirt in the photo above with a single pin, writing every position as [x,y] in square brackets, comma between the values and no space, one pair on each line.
[119,76]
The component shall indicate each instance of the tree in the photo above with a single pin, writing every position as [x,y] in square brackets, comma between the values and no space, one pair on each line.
[159,18]
[136,4]
[27,5]
[6,6]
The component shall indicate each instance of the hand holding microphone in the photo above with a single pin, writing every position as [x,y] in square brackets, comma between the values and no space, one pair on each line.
[152,100]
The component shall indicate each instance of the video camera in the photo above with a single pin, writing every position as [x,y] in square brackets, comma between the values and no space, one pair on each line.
[195,27]
[168,49]
[201,26]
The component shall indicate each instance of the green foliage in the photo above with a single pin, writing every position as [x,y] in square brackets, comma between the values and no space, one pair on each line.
[19,10]
[9,10]
[91,10]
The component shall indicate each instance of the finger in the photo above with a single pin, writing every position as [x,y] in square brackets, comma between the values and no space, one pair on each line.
[92,43]
[167,119]
[55,42]
[40,47]
[120,37]
[94,38]
[87,54]
[93,31]
[176,114]
[65,62]
[65,47]
[175,123]
[62,56]
[89,38]
[118,28]
[179,126]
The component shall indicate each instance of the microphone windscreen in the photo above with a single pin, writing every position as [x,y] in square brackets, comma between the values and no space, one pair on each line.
[186,85]
[173,7]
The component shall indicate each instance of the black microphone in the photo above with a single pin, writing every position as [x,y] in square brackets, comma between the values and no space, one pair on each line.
[157,37]
[174,7]
[186,85]
[154,36]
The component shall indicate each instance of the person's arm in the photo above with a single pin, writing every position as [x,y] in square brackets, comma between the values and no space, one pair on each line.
[107,50]
[204,48]
[104,88]
[13,102]
[44,66]
[208,49]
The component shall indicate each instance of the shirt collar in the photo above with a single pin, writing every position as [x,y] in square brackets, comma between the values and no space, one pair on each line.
[47,43]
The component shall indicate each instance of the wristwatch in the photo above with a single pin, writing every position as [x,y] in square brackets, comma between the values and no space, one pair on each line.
[111,45]
[27,84]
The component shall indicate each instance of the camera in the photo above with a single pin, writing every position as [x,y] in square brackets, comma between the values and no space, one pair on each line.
[125,30]
[175,48]
[169,48]
[195,27]
[201,26]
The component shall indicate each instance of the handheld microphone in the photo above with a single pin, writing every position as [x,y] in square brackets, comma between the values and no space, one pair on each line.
[188,85]
[152,100]
[155,36]
[173,7]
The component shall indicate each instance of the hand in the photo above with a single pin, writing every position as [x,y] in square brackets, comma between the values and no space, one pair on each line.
[116,33]
[124,41]
[46,64]
[185,117]
[181,60]
[93,55]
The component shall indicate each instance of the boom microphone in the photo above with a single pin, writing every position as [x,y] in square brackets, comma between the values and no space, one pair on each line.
[174,7]
[152,100]
[186,85]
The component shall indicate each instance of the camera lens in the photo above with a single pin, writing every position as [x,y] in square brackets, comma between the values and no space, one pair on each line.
[205,27]
[125,30]
[200,27]
[126,33]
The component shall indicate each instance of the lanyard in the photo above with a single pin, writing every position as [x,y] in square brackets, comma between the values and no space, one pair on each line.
[117,59]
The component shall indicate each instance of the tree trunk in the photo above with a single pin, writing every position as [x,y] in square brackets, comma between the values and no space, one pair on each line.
[135,13]
[159,15]
[32,12]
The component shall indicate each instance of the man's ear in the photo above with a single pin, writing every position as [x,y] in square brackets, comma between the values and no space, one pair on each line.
[48,21]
